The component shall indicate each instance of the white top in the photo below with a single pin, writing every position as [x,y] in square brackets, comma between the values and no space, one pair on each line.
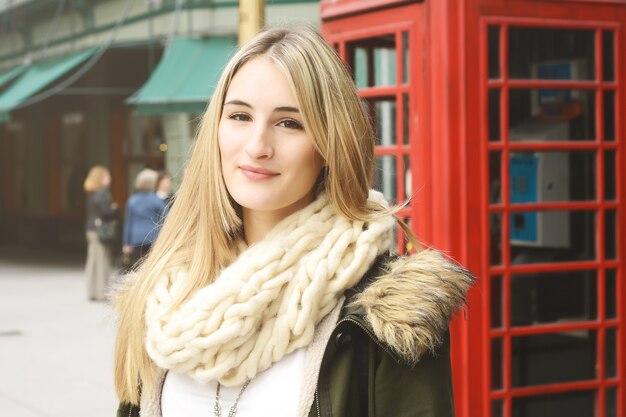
[272,393]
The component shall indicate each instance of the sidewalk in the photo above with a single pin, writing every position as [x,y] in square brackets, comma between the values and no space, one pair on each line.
[56,348]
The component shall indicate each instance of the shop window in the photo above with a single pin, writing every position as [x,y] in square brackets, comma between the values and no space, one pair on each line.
[145,147]
[72,166]
[13,167]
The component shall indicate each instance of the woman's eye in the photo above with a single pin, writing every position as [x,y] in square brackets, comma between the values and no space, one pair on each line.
[290,124]
[240,117]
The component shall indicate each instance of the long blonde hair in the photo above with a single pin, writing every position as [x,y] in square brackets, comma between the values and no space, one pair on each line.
[94,182]
[203,223]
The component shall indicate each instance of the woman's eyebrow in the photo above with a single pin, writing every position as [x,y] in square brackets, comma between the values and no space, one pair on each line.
[238,103]
[287,109]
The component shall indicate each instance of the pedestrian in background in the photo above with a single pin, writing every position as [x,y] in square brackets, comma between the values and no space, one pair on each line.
[100,210]
[143,216]
[271,290]
[164,187]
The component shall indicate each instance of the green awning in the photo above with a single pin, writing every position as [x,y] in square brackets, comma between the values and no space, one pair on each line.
[37,77]
[186,76]
[8,75]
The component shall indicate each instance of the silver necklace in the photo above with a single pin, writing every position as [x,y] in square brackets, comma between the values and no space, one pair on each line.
[233,410]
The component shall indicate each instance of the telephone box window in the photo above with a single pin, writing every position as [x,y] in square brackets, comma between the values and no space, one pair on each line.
[608,65]
[570,404]
[610,294]
[496,302]
[539,298]
[493,38]
[547,236]
[609,115]
[548,358]
[551,115]
[494,114]
[609,175]
[496,364]
[611,352]
[551,54]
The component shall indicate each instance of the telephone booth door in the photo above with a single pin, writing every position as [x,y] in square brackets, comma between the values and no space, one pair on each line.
[537,90]
[551,83]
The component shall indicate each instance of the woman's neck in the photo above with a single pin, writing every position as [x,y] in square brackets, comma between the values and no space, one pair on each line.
[257,224]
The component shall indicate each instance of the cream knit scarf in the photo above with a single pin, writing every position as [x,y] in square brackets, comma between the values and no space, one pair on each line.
[267,303]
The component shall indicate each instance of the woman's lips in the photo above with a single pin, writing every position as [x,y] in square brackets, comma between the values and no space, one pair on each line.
[257,174]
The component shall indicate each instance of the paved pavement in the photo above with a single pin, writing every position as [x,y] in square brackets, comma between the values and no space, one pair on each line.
[56,348]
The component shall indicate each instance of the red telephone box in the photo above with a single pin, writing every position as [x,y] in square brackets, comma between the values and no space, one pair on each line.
[502,119]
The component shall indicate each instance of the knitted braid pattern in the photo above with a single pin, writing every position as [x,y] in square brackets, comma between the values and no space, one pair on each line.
[267,302]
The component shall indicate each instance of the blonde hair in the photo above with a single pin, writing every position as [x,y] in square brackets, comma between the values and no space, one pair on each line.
[93,182]
[203,223]
[146,180]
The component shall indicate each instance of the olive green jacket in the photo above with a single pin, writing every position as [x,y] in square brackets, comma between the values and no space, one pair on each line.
[388,355]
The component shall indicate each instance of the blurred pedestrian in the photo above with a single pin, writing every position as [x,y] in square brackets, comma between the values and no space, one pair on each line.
[164,187]
[100,226]
[144,213]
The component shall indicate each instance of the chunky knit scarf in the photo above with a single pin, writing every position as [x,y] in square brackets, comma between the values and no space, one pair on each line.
[268,301]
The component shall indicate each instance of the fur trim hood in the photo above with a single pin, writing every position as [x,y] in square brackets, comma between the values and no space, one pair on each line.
[408,305]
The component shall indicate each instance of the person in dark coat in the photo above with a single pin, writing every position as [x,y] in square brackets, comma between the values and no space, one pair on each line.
[144,213]
[100,208]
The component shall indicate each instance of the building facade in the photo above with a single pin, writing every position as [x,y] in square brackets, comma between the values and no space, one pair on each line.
[70,75]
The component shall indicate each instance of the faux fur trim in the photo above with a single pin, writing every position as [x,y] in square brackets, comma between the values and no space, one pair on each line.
[409,306]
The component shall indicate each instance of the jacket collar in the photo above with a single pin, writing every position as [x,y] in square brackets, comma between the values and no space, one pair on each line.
[406,302]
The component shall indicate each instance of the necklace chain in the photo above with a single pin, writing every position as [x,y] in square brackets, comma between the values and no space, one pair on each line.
[233,409]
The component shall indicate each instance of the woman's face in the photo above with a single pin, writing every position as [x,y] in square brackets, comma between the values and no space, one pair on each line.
[269,163]
[106,180]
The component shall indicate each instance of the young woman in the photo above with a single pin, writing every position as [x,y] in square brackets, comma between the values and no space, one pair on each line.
[270,290]
[99,209]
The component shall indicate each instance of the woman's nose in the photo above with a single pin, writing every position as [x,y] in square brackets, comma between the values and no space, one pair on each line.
[259,146]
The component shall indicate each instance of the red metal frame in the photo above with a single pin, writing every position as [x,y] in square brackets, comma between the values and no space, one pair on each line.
[449,157]
[392,22]
[505,270]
